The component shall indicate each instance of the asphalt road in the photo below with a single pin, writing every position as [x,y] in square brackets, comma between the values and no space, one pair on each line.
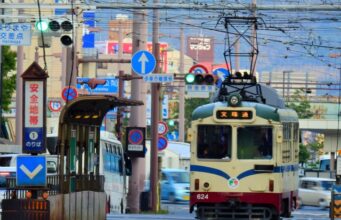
[179,211]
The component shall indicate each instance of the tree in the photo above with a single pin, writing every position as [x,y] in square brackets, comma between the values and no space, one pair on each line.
[300,104]
[190,105]
[303,154]
[8,84]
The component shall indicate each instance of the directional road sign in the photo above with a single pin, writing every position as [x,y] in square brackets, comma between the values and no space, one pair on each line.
[159,78]
[222,73]
[31,171]
[143,62]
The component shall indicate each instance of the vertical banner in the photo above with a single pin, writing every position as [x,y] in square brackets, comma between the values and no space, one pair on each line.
[88,35]
[34,109]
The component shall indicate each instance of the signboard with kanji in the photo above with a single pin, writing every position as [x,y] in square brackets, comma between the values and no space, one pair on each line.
[34,110]
[17,34]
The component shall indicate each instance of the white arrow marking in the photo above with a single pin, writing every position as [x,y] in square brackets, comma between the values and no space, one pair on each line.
[143,60]
[32,174]
[220,74]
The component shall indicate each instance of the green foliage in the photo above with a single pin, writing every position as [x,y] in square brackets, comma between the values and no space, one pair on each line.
[300,104]
[190,105]
[303,154]
[9,62]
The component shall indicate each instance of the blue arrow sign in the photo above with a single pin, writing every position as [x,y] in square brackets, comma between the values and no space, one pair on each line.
[31,171]
[143,62]
[222,73]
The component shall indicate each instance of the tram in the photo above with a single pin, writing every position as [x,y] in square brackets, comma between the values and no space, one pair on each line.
[244,153]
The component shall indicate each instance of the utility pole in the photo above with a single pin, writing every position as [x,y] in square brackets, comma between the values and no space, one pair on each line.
[138,113]
[19,92]
[182,88]
[155,116]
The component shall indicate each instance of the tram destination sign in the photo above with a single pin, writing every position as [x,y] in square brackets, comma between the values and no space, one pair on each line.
[229,114]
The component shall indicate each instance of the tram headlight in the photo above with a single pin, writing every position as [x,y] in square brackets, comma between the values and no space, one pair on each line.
[234,100]
[206,186]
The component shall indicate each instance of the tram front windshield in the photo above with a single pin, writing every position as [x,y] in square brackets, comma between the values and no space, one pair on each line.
[214,142]
[254,142]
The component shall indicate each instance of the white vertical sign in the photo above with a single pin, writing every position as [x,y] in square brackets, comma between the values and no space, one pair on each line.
[34,104]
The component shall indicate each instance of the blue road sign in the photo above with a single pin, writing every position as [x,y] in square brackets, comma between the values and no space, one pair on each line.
[110,86]
[143,62]
[69,93]
[88,37]
[33,140]
[162,143]
[31,171]
[135,136]
[222,73]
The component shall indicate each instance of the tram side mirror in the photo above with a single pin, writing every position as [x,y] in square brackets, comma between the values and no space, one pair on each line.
[128,165]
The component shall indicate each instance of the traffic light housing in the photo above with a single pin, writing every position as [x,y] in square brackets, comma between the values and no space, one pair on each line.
[200,79]
[56,28]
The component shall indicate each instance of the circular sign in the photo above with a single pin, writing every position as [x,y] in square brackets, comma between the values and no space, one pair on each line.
[162,128]
[143,62]
[198,69]
[221,73]
[55,106]
[135,136]
[69,93]
[162,143]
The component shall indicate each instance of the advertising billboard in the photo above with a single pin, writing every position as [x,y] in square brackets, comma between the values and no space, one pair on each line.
[200,49]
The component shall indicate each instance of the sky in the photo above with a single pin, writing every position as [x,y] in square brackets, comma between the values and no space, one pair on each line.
[287,40]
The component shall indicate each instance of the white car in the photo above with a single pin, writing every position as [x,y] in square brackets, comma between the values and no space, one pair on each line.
[315,191]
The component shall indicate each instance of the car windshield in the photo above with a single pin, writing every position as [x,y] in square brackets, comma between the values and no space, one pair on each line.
[180,177]
[327,185]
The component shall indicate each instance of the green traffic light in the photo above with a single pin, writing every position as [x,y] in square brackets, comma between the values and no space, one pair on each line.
[171,123]
[189,78]
[42,25]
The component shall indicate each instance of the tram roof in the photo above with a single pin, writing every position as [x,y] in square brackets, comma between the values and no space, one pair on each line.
[91,109]
[264,111]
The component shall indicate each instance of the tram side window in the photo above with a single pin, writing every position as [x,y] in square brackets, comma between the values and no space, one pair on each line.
[214,142]
[254,142]
[106,158]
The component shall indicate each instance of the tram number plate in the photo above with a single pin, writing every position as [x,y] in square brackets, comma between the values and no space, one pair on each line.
[202,196]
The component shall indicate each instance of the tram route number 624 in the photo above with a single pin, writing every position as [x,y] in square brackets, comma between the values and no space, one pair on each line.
[202,196]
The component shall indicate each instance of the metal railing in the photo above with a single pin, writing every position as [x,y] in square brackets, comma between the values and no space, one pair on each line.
[72,183]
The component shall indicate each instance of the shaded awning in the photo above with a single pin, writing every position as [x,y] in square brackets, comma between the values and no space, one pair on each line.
[91,109]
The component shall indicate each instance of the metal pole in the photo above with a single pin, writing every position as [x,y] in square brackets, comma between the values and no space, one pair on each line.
[155,117]
[182,88]
[138,113]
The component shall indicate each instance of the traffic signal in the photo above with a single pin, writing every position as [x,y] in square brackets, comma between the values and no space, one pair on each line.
[57,28]
[200,79]
[42,25]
